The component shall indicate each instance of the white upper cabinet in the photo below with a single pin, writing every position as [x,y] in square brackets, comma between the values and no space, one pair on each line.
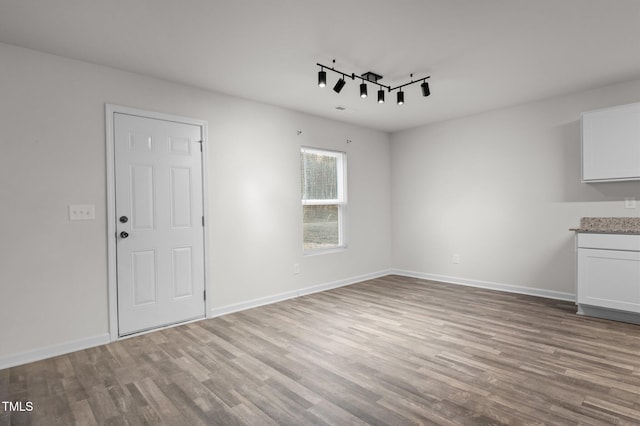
[611,144]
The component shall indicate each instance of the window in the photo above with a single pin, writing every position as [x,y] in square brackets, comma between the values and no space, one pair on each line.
[324,199]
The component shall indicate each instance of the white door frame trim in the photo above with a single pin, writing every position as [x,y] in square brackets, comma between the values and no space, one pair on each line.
[111,109]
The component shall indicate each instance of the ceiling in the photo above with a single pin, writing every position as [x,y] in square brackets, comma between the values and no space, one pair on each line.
[480,54]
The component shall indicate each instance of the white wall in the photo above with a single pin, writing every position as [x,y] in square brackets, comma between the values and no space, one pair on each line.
[53,272]
[501,189]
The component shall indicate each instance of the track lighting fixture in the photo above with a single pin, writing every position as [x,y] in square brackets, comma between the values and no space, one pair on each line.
[322,78]
[370,77]
[425,89]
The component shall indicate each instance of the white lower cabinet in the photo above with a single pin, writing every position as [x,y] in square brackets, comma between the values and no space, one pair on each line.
[608,273]
[609,279]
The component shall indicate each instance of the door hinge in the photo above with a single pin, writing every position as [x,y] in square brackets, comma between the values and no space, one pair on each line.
[205,294]
[202,220]
[201,143]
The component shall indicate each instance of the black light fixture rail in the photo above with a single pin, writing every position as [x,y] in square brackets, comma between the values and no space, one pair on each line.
[369,77]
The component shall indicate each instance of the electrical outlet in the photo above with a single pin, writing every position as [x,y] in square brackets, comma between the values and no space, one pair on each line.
[82,212]
[456,258]
[629,203]
[296,268]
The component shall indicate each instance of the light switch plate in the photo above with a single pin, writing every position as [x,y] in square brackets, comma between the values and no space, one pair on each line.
[82,211]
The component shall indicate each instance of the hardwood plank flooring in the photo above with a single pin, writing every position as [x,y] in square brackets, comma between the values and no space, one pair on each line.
[389,351]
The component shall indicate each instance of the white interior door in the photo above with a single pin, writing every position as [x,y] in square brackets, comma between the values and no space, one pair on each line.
[159,222]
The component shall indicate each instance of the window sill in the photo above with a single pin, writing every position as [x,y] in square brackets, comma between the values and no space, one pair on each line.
[324,251]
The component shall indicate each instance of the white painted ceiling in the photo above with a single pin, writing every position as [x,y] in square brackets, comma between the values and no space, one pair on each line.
[480,54]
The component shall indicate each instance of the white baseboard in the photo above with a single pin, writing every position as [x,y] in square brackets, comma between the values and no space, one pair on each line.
[7,361]
[39,354]
[254,303]
[13,360]
[509,288]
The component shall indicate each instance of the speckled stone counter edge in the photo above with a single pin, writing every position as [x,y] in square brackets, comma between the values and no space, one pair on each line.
[609,225]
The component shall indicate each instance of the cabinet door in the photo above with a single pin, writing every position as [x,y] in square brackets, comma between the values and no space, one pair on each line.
[609,279]
[611,144]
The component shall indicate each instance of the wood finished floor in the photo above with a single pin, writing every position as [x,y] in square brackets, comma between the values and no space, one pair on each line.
[389,351]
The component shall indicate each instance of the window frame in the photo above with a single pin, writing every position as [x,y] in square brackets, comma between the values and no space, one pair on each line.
[340,201]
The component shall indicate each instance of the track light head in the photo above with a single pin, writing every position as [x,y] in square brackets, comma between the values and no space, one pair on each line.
[339,85]
[363,90]
[400,97]
[380,96]
[425,88]
[322,78]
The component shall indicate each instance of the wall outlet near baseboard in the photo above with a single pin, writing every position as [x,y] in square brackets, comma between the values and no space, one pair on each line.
[296,268]
[456,258]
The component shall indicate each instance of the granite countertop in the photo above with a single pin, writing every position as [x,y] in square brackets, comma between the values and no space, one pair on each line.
[609,225]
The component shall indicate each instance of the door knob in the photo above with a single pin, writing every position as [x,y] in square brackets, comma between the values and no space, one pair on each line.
[124,234]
